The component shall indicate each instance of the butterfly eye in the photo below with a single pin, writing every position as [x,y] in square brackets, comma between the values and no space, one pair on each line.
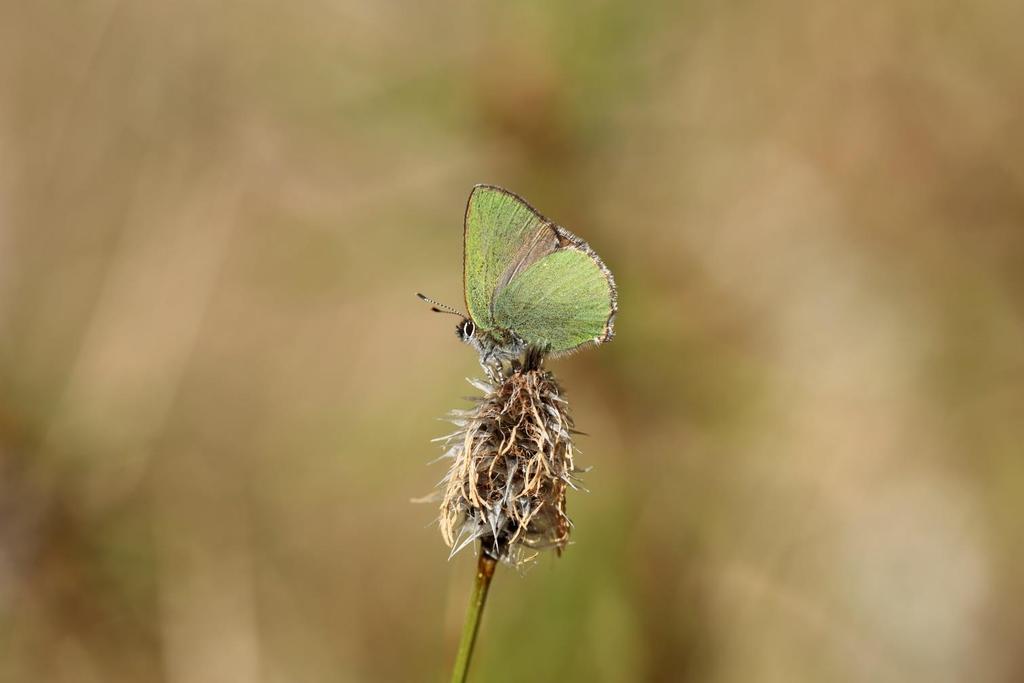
[465,329]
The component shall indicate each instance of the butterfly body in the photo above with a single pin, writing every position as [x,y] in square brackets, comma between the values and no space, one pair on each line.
[529,283]
[493,346]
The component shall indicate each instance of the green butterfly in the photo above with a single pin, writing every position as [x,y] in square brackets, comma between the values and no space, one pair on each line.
[530,284]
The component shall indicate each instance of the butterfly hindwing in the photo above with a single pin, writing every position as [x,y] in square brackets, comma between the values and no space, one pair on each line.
[503,236]
[562,301]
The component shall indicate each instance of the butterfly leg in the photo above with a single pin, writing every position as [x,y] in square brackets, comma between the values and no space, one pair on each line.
[492,368]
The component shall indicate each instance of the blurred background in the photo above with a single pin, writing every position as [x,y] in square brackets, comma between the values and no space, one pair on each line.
[217,389]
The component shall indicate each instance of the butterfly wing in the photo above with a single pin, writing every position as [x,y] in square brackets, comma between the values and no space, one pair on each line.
[503,236]
[563,301]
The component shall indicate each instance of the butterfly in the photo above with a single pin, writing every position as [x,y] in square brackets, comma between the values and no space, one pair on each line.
[529,283]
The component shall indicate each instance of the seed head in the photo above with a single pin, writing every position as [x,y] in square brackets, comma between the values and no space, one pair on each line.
[512,461]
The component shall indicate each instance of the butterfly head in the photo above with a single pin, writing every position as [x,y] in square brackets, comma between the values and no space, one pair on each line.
[465,330]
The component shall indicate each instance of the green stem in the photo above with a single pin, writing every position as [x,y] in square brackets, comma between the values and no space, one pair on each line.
[484,571]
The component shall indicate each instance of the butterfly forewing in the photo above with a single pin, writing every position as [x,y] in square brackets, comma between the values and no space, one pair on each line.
[503,234]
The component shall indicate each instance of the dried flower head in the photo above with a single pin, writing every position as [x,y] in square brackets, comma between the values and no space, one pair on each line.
[512,461]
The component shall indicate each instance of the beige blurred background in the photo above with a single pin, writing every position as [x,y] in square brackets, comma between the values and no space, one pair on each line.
[217,389]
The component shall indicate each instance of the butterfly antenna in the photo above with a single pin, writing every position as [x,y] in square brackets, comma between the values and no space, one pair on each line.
[438,307]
